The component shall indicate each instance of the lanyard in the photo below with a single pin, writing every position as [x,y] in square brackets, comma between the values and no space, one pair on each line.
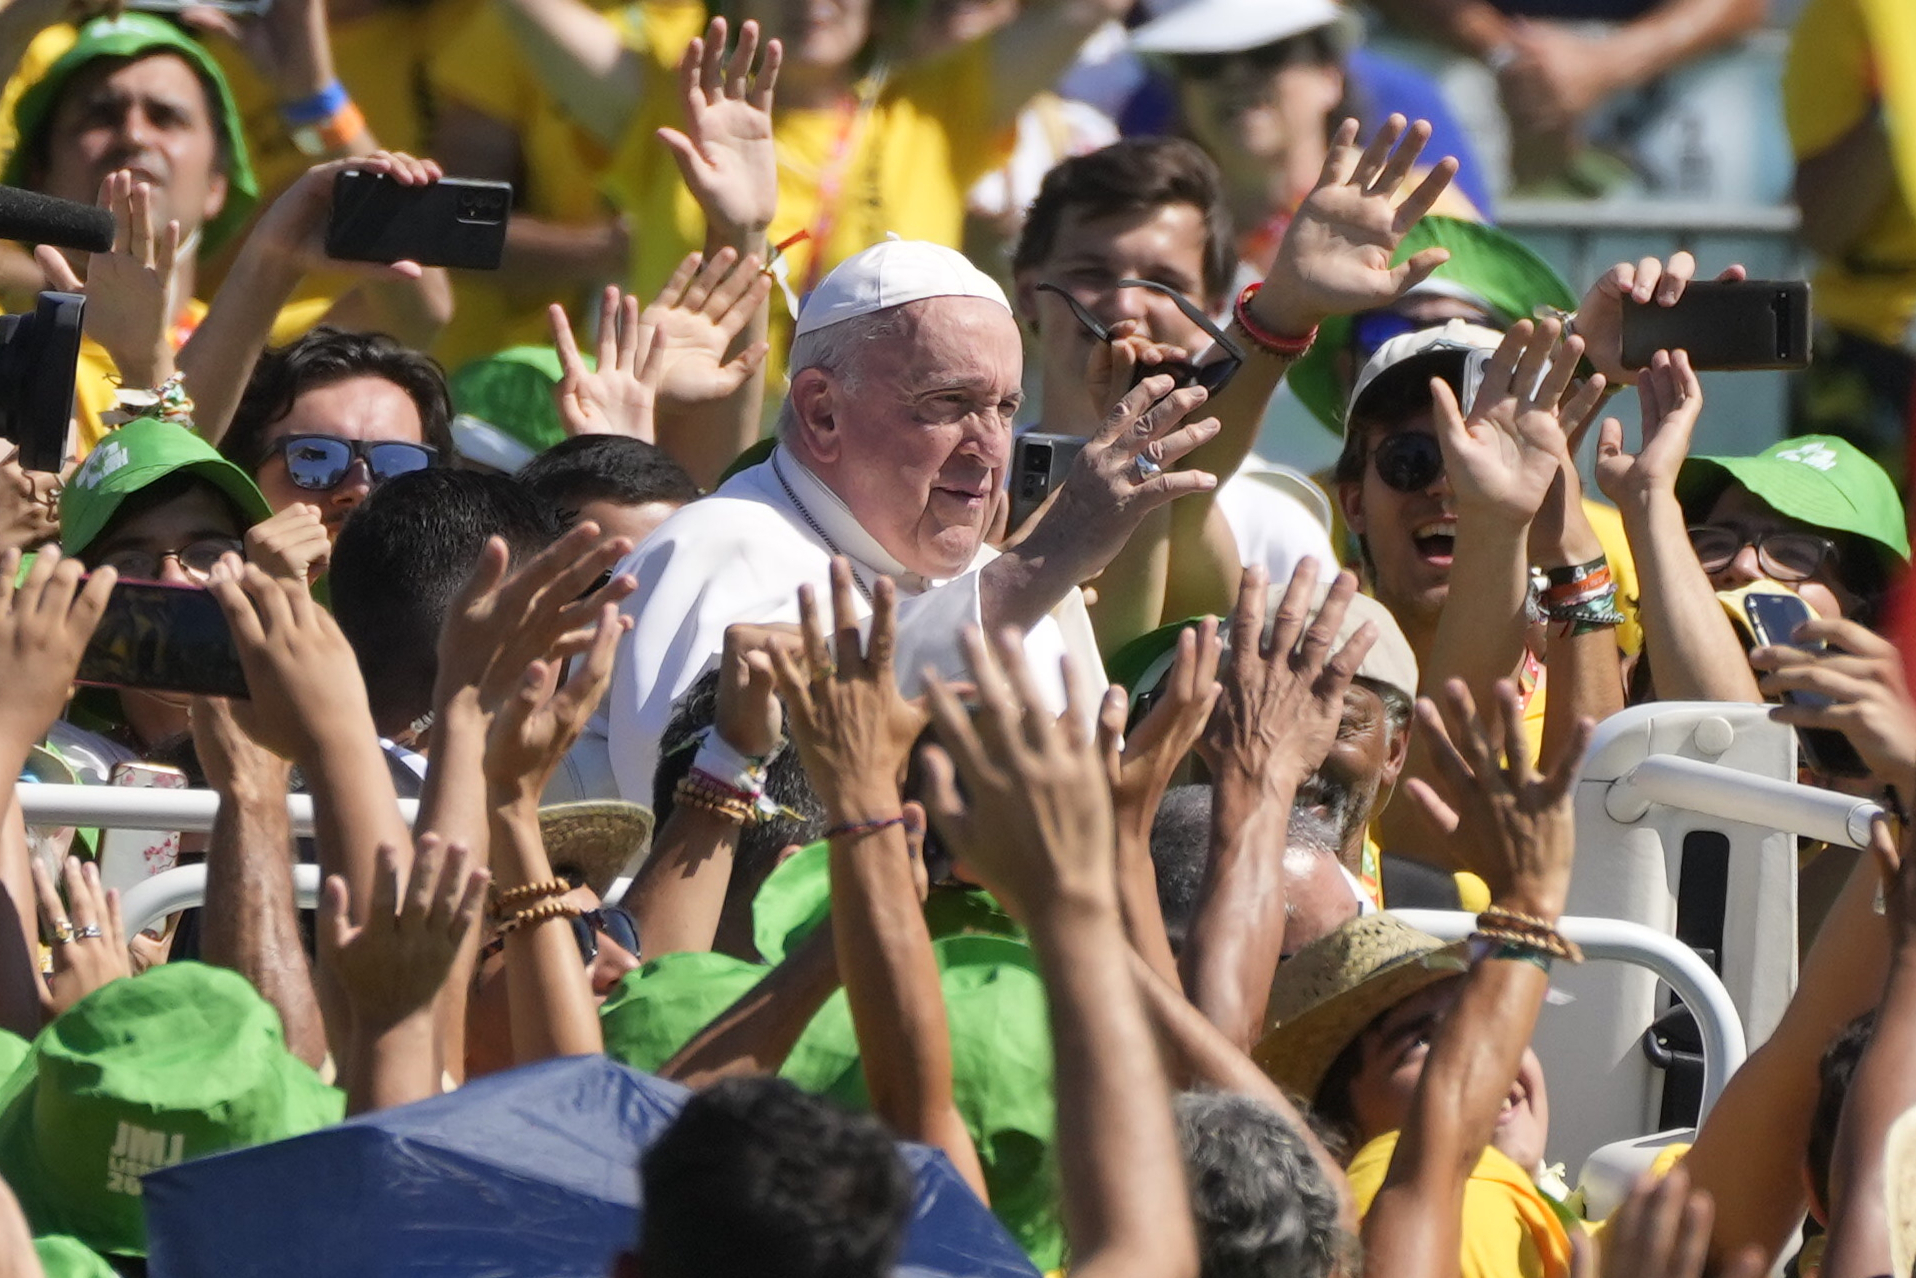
[853,114]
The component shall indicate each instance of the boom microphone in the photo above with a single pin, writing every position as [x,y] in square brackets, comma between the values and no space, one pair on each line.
[34,218]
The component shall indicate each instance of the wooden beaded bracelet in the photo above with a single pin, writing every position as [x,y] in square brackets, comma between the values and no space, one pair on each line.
[539,914]
[511,897]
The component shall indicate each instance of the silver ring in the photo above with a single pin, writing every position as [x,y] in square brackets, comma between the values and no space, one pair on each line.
[91,932]
[1146,468]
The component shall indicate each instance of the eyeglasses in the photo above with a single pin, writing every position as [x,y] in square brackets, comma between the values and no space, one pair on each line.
[1783,556]
[196,559]
[613,920]
[1213,377]
[1409,461]
[319,462]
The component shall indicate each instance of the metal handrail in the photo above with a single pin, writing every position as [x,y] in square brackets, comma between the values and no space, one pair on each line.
[1730,794]
[184,888]
[1724,1046]
[130,808]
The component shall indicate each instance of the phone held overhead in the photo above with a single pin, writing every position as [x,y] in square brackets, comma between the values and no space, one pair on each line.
[455,222]
[1724,325]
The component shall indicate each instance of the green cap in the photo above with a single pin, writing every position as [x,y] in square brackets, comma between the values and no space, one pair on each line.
[65,1257]
[1821,480]
[139,453]
[512,393]
[1490,265]
[145,1072]
[128,36]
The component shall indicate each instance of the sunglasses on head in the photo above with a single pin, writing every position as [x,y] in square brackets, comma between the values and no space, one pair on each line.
[319,462]
[1409,461]
[612,920]
[1213,377]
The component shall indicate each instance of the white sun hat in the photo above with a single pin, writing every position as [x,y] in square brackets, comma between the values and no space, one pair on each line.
[1228,26]
[1456,352]
[892,273]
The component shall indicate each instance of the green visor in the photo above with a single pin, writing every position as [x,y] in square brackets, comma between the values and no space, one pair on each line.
[133,35]
[138,454]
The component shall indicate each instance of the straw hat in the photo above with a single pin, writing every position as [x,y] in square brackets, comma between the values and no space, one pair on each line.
[598,838]
[1899,1188]
[1324,996]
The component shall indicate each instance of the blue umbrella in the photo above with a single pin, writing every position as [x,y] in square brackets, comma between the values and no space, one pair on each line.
[532,1173]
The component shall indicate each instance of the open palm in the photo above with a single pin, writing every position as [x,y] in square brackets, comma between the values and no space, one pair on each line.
[1504,455]
[1336,255]
[695,320]
[726,153]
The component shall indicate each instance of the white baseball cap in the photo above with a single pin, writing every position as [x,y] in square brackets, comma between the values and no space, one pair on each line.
[1228,26]
[892,273]
[1456,352]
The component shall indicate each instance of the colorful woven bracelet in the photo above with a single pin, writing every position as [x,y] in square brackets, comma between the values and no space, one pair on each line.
[1274,343]
[858,829]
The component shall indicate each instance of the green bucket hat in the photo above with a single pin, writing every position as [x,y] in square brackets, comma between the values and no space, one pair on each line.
[64,1257]
[128,36]
[145,1072]
[1824,481]
[1490,265]
[511,392]
[140,453]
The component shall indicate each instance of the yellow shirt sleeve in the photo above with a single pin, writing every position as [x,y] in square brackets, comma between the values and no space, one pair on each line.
[1826,75]
[45,50]
[1509,1230]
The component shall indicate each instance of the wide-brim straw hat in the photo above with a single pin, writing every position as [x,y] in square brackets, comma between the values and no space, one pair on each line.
[598,839]
[1328,992]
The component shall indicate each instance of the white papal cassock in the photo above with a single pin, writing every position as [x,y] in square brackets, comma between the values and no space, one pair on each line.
[741,555]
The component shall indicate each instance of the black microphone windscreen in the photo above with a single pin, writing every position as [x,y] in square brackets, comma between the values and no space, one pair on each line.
[34,218]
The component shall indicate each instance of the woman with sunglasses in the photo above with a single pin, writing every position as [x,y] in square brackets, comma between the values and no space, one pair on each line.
[330,417]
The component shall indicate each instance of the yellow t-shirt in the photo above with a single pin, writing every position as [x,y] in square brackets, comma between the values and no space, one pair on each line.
[481,69]
[1510,1231]
[1845,55]
[897,159]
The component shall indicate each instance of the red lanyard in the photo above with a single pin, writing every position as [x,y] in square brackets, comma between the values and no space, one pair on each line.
[853,113]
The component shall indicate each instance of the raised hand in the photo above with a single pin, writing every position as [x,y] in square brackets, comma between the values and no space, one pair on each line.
[1112,365]
[45,622]
[1335,258]
[1283,697]
[1513,827]
[1600,313]
[695,319]
[1034,822]
[1504,455]
[538,723]
[393,965]
[291,544]
[852,727]
[293,228]
[1671,399]
[1139,764]
[500,621]
[302,679]
[133,291]
[749,717]
[620,396]
[726,153]
[1864,694]
[86,933]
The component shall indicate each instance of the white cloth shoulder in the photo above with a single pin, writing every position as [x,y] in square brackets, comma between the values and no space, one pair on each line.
[1278,516]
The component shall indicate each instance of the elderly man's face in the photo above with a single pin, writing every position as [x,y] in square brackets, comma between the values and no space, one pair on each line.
[916,441]
[150,116]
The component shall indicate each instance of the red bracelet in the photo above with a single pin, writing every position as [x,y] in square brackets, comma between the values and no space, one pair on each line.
[1264,338]
[856,829]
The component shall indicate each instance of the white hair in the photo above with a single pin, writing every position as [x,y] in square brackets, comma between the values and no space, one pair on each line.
[839,349]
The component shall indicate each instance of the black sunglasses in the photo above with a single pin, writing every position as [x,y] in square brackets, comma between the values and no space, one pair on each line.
[613,920]
[1409,461]
[319,462]
[1213,377]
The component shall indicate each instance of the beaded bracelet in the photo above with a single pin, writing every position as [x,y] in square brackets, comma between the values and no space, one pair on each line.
[511,897]
[858,829]
[1522,929]
[539,914]
[706,798]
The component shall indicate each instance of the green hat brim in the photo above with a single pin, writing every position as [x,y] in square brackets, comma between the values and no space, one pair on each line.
[1497,267]
[127,36]
[84,513]
[1804,493]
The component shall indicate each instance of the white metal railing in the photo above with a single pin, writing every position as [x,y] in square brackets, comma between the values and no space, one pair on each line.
[1731,794]
[184,888]
[1679,966]
[132,808]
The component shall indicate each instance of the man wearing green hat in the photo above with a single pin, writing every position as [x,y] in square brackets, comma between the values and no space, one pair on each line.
[157,503]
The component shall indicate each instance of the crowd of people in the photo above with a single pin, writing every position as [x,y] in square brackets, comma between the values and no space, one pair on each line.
[816,625]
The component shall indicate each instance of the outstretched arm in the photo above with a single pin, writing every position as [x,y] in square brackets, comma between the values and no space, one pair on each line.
[582,61]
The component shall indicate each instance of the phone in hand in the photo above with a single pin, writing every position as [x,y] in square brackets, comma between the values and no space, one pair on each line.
[166,639]
[1724,324]
[459,222]
[1773,616]
[1039,463]
[130,857]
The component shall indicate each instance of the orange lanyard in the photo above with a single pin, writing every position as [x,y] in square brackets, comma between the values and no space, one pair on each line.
[853,113]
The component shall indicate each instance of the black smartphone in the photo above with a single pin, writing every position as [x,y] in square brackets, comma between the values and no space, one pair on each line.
[38,354]
[458,222]
[165,638]
[1724,324]
[1774,617]
[1039,463]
